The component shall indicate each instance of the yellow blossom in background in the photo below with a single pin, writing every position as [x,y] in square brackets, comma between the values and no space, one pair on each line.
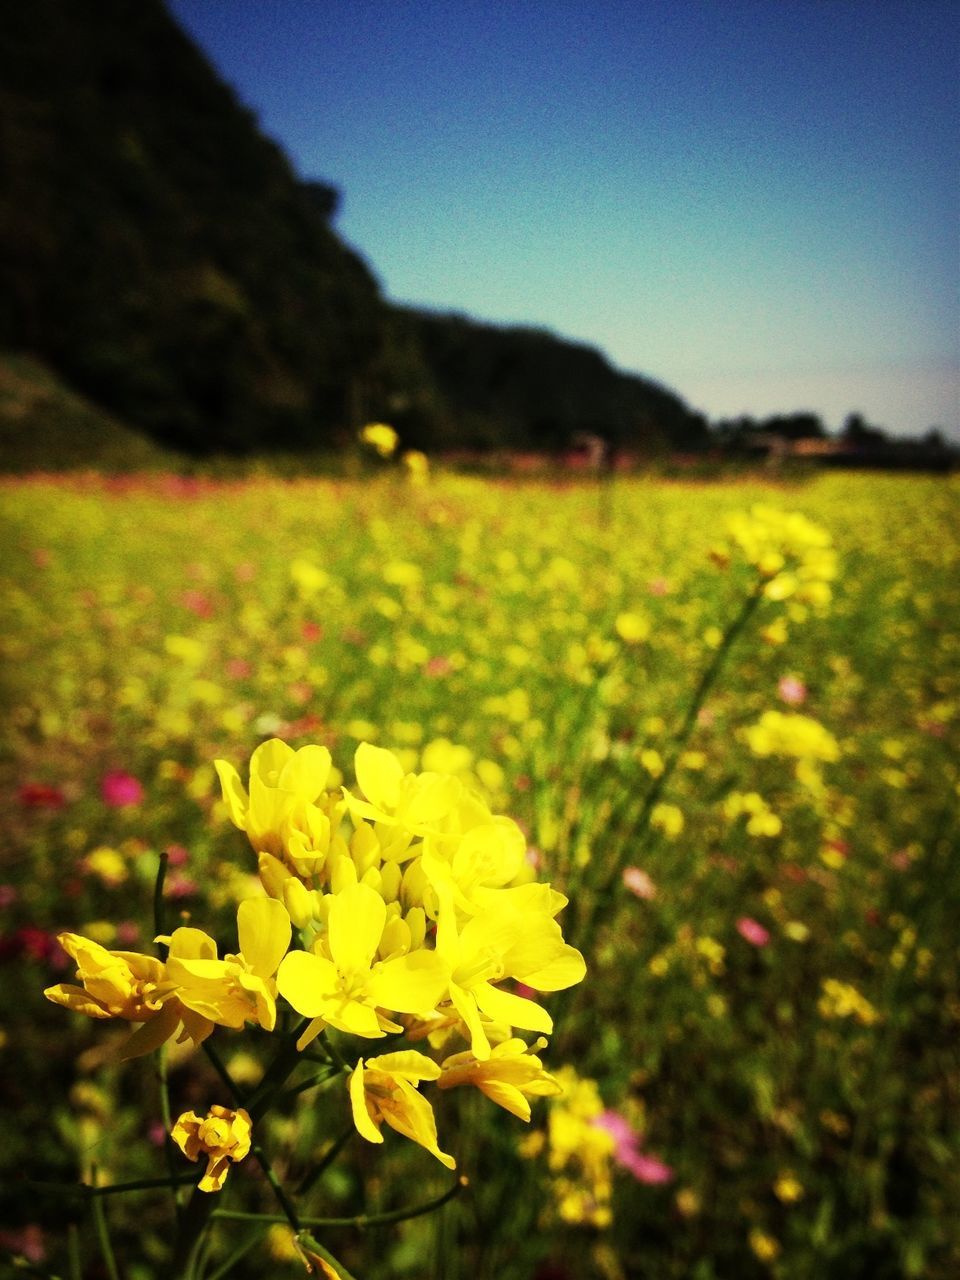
[667,818]
[222,1135]
[841,1000]
[632,627]
[416,465]
[765,1246]
[380,437]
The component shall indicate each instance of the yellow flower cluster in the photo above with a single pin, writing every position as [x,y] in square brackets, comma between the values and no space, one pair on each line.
[786,733]
[413,904]
[579,1152]
[841,1000]
[793,555]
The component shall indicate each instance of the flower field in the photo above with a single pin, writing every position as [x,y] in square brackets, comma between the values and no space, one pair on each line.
[721,720]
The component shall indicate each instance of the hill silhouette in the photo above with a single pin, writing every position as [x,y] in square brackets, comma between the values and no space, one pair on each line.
[160,256]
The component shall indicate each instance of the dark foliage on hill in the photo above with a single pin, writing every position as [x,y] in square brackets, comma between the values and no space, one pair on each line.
[527,384]
[159,253]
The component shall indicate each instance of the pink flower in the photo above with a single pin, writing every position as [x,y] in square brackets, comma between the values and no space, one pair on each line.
[128,932]
[639,883]
[437,666]
[645,1168]
[791,690]
[752,931]
[311,632]
[119,789]
[239,669]
[177,855]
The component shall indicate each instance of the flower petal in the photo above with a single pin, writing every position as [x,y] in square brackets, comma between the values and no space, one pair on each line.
[357,917]
[514,1010]
[263,928]
[307,982]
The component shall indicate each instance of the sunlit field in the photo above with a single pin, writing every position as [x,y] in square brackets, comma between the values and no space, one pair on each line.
[731,743]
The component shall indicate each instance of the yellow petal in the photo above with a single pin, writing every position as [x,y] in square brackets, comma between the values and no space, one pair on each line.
[516,1011]
[506,1096]
[306,772]
[269,760]
[263,928]
[379,774]
[234,793]
[152,1034]
[357,917]
[191,944]
[565,970]
[307,982]
[406,1063]
[358,1103]
[412,983]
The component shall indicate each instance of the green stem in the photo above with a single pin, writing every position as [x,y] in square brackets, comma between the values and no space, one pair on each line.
[158,911]
[217,1063]
[85,1190]
[226,1268]
[103,1237]
[640,825]
[325,1161]
[323,1077]
[73,1252]
[306,1241]
[360,1221]
[286,1204]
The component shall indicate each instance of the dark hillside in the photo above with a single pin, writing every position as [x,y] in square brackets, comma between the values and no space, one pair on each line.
[159,255]
[156,248]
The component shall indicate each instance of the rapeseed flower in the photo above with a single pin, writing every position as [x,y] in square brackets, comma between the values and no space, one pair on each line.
[510,1075]
[223,1136]
[385,1089]
[340,982]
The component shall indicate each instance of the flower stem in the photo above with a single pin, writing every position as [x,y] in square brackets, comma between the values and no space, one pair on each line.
[361,1221]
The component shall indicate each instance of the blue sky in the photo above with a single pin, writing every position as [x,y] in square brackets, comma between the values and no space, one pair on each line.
[755,202]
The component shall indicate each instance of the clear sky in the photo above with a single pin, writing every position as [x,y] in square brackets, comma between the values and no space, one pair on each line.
[755,202]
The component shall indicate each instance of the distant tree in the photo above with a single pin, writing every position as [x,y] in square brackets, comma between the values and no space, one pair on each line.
[857,431]
[794,426]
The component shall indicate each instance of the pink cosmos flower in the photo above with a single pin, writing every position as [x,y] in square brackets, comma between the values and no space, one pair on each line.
[177,855]
[753,932]
[791,690]
[639,883]
[645,1168]
[119,789]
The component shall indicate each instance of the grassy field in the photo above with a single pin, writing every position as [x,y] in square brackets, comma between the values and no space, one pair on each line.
[749,798]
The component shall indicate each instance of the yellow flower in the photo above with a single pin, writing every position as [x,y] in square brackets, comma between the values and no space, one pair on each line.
[515,936]
[339,983]
[766,1247]
[126,985]
[221,1135]
[632,627]
[508,1077]
[380,437]
[418,802]
[281,782]
[239,988]
[384,1089]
